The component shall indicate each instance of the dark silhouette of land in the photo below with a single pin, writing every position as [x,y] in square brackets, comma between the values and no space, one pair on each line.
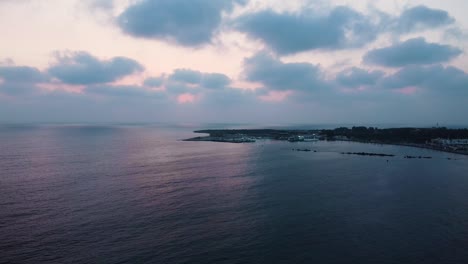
[438,138]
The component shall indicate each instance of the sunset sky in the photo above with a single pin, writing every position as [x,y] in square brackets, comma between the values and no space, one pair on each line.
[257,61]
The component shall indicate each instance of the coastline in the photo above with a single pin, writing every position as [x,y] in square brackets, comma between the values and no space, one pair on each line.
[423,138]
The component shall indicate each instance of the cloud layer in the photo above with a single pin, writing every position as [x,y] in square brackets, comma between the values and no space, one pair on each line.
[228,59]
[341,28]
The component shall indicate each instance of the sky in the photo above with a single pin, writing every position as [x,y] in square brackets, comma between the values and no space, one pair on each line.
[234,61]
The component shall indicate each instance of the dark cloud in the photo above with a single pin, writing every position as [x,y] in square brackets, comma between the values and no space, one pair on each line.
[21,74]
[276,75]
[20,80]
[215,81]
[342,28]
[84,69]
[410,52]
[154,81]
[356,77]
[289,33]
[186,76]
[447,80]
[421,18]
[186,22]
[180,78]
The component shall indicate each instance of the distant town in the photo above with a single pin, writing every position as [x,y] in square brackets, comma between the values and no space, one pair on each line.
[438,138]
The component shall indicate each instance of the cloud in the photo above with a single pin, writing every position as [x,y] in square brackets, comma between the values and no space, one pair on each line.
[414,51]
[180,80]
[18,80]
[276,75]
[21,74]
[126,91]
[15,89]
[356,77]
[81,68]
[421,18]
[185,22]
[447,80]
[342,28]
[154,81]
[289,33]
[215,81]
[101,4]
[186,76]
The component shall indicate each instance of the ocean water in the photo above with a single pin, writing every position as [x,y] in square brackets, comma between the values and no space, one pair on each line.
[137,194]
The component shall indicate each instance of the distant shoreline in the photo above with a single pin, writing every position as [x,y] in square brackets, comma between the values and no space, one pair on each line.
[426,138]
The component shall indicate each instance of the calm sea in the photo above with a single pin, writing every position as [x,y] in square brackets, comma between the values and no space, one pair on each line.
[136,194]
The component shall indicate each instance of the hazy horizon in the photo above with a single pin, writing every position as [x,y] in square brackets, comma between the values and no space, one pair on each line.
[222,125]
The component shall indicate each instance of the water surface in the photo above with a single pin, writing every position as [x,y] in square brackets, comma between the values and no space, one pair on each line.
[136,194]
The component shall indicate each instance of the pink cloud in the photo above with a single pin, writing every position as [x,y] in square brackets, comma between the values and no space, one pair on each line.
[408,90]
[130,80]
[186,98]
[246,85]
[61,87]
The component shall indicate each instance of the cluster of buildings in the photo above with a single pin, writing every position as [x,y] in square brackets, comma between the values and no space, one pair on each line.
[454,144]
[232,138]
[306,138]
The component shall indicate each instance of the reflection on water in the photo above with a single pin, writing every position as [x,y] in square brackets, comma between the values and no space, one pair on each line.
[136,194]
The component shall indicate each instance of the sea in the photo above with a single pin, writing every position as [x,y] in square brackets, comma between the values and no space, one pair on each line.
[118,193]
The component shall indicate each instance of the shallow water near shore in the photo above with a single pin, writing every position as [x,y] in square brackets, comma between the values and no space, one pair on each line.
[137,194]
